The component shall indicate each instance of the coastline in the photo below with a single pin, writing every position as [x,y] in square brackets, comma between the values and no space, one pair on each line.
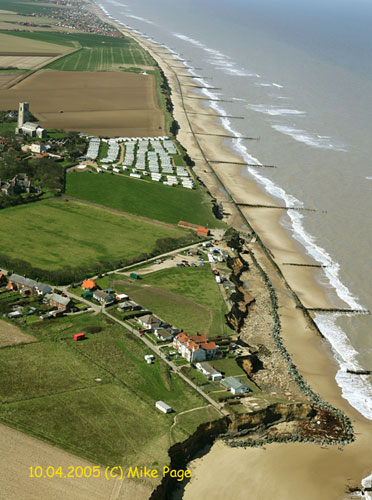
[310,353]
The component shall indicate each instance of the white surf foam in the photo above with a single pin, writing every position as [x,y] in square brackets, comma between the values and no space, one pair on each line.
[144,20]
[355,388]
[315,141]
[369,178]
[274,110]
[277,85]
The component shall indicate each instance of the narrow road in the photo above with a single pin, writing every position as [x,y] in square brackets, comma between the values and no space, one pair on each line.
[150,345]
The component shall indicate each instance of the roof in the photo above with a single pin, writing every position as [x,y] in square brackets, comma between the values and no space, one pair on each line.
[103,295]
[233,383]
[149,319]
[42,287]
[207,367]
[22,280]
[88,284]
[30,125]
[209,346]
[163,405]
[58,298]
[198,338]
[203,230]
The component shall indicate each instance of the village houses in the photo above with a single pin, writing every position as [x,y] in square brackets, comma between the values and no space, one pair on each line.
[195,347]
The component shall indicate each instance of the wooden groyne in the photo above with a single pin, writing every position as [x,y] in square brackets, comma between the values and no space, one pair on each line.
[337,310]
[226,136]
[252,205]
[303,265]
[218,116]
[241,162]
[359,372]
[206,99]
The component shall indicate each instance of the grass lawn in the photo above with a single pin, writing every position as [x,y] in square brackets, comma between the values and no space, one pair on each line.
[186,297]
[156,201]
[110,422]
[62,233]
[6,127]
[43,368]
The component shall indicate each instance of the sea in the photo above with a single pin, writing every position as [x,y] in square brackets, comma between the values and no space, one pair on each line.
[300,73]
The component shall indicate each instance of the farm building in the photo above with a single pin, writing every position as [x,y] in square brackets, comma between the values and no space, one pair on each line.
[234,385]
[160,405]
[209,371]
[58,301]
[194,347]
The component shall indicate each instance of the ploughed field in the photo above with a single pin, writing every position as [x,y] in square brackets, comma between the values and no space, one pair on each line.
[53,234]
[103,103]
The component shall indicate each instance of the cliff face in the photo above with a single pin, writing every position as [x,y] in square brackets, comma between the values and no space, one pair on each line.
[241,298]
[181,453]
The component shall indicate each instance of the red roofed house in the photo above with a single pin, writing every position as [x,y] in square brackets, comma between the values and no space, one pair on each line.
[194,347]
[89,285]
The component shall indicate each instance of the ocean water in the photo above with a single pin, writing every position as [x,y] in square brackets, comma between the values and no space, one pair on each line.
[301,75]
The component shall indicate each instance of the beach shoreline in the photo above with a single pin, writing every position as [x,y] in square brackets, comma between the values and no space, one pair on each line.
[310,352]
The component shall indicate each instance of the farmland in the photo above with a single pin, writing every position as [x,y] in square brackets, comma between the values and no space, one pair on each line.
[186,297]
[97,52]
[98,103]
[95,398]
[155,201]
[58,234]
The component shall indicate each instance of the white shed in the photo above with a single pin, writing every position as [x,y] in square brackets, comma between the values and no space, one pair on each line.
[160,405]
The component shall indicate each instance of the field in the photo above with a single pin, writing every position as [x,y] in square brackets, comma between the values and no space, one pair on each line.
[23,62]
[102,104]
[97,52]
[102,59]
[110,420]
[57,234]
[11,43]
[186,297]
[11,335]
[153,200]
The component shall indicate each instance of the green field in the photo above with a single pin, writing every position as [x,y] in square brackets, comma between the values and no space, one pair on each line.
[27,8]
[57,234]
[49,391]
[101,59]
[150,199]
[96,52]
[186,297]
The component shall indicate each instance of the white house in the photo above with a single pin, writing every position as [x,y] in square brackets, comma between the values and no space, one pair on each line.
[234,385]
[209,371]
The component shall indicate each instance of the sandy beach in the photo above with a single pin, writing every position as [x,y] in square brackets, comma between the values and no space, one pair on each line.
[281,471]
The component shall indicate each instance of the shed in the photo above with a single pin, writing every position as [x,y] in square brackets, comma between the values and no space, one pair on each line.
[160,405]
[79,336]
[134,276]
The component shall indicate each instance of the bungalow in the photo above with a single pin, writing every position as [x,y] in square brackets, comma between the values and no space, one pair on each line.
[150,322]
[103,297]
[209,371]
[24,285]
[88,285]
[58,301]
[234,385]
[194,347]
[129,305]
[163,334]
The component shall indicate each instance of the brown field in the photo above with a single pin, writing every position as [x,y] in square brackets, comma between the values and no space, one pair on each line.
[24,61]
[97,103]
[19,452]
[11,335]
[19,44]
